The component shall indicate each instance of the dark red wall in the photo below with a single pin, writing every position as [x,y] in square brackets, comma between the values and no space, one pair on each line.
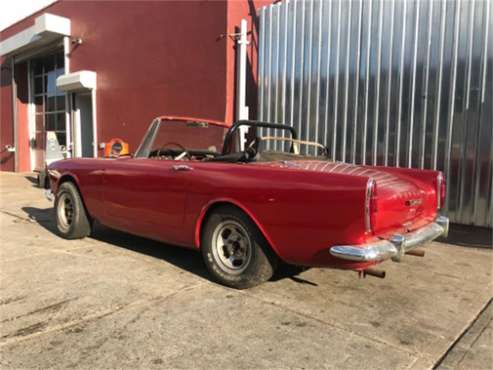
[22,103]
[6,128]
[154,58]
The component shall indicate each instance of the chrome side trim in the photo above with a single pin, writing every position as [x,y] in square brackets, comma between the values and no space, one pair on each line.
[393,248]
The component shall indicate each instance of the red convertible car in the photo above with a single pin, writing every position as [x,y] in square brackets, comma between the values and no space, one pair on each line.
[277,199]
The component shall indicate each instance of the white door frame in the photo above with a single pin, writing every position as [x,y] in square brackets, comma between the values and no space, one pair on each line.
[77,123]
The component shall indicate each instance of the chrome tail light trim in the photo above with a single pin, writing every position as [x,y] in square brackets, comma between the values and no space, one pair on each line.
[370,189]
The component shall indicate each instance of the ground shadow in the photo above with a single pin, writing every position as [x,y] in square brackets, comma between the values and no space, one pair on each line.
[186,259]
[33,180]
[469,236]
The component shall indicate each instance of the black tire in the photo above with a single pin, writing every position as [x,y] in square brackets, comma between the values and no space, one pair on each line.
[257,264]
[71,217]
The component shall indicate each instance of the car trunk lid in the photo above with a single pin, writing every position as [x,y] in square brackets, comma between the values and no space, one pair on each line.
[402,200]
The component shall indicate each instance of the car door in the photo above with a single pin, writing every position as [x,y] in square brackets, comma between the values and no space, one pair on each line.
[146,197]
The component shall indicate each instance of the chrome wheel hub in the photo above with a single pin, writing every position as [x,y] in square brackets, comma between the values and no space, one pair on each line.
[231,247]
[65,211]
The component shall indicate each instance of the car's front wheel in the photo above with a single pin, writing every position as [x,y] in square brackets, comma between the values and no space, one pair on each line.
[71,217]
[234,250]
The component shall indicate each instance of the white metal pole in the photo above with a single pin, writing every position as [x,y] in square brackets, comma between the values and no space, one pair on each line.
[94,123]
[241,107]
[66,63]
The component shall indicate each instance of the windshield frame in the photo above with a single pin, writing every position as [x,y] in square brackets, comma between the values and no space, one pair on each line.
[144,149]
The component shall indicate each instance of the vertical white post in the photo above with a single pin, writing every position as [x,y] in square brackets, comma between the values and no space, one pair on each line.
[31,116]
[68,121]
[241,107]
[94,123]
[76,129]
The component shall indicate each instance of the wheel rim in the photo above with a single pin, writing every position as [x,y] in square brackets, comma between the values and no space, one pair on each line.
[231,247]
[65,211]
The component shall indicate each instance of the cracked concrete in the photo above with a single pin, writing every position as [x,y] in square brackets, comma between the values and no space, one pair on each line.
[474,349]
[120,301]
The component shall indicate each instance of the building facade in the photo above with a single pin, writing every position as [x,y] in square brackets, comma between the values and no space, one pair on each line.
[91,71]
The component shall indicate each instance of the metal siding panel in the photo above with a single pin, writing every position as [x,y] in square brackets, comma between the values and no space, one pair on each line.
[345,107]
[413,86]
[337,76]
[284,25]
[401,87]
[451,117]
[426,84]
[357,61]
[403,83]
[388,100]
[261,64]
[328,73]
[309,50]
[376,119]
[301,63]
[317,99]
[364,133]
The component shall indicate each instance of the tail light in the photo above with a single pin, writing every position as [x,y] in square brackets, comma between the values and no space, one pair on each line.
[371,205]
[441,190]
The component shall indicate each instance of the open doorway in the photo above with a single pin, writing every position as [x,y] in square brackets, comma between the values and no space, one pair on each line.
[83,129]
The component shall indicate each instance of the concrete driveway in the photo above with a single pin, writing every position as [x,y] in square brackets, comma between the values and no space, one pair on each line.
[119,301]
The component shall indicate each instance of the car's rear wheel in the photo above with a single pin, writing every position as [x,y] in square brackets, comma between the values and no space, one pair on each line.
[71,217]
[234,250]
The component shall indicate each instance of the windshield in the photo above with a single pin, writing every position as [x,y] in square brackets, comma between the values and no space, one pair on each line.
[171,136]
[188,139]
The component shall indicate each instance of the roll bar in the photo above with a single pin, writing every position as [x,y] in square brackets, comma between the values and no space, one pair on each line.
[232,130]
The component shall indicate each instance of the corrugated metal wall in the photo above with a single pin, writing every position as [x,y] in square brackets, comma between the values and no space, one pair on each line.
[399,83]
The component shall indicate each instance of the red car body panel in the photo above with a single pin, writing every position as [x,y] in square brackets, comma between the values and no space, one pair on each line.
[301,207]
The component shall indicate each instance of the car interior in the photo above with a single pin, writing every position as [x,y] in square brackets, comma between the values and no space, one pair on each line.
[257,148]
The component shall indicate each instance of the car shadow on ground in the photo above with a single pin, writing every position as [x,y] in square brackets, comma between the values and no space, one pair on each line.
[469,236]
[33,180]
[183,258]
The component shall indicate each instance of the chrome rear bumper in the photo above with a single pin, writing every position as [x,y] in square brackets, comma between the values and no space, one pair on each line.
[395,247]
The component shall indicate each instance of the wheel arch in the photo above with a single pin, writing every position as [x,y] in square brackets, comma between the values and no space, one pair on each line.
[208,209]
[69,177]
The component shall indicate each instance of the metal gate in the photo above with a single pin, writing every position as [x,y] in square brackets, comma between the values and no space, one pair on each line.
[399,83]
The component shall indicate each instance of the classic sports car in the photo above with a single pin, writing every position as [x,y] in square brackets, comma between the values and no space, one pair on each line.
[277,199]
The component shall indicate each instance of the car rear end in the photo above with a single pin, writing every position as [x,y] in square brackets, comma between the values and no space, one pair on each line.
[401,212]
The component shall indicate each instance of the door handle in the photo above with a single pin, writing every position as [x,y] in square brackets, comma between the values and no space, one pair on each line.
[181,167]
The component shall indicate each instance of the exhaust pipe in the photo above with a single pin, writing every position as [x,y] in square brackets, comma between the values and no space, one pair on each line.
[416,252]
[373,272]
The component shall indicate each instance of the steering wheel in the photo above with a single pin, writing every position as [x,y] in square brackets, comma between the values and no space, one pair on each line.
[184,152]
